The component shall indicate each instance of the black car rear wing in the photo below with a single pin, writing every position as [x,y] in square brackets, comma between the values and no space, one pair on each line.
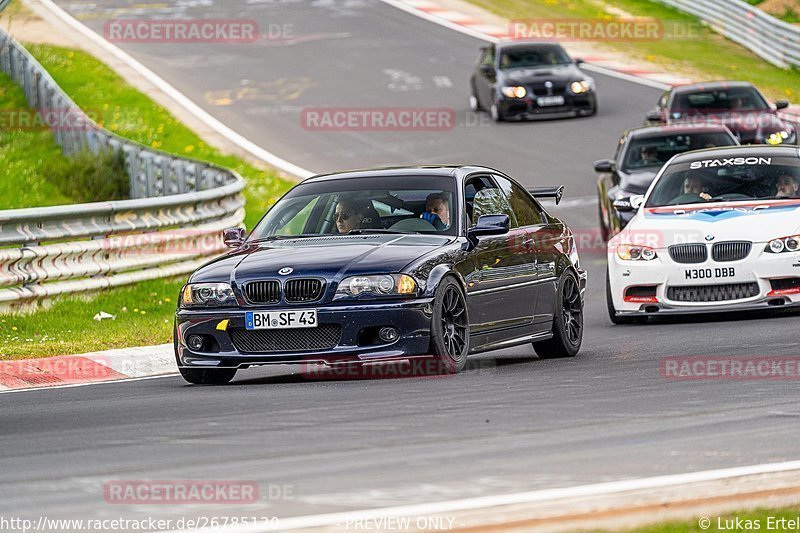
[547,192]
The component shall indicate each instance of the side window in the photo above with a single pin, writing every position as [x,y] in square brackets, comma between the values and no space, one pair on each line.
[484,197]
[524,207]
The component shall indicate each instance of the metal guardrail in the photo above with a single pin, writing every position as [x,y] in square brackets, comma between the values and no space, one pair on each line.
[771,39]
[171,224]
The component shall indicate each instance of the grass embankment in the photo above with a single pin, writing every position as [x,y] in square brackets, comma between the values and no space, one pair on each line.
[703,55]
[752,520]
[144,311]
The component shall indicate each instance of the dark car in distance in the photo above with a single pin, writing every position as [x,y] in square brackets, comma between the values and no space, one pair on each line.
[737,104]
[389,264]
[641,153]
[518,80]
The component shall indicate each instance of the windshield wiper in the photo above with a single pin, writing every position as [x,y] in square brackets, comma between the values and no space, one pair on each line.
[367,231]
[284,237]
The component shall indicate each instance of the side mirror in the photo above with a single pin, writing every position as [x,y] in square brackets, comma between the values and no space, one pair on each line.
[781,104]
[487,69]
[579,61]
[629,204]
[655,116]
[605,165]
[489,225]
[233,237]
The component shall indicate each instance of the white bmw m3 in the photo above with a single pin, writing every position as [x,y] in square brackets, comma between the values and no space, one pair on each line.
[718,230]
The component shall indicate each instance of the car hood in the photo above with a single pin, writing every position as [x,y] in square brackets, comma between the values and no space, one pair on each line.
[758,222]
[329,257]
[637,182]
[554,73]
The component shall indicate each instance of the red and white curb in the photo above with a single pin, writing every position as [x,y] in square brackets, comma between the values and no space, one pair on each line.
[110,365]
[473,25]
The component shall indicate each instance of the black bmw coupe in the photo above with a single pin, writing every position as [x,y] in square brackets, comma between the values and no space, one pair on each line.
[370,266]
[518,80]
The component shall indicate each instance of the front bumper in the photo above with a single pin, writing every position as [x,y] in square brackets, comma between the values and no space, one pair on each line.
[526,108]
[759,267]
[412,319]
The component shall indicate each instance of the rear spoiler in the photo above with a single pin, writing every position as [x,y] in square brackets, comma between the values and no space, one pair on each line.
[547,192]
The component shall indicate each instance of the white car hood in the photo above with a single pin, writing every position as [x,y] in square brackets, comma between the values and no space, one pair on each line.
[758,222]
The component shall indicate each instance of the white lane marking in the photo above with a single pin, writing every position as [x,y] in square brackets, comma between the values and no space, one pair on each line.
[483,502]
[237,139]
[73,385]
[473,31]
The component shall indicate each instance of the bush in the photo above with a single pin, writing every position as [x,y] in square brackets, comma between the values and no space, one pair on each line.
[89,177]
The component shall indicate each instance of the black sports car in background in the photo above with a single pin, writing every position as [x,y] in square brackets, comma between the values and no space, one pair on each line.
[369,266]
[530,80]
[641,152]
[736,104]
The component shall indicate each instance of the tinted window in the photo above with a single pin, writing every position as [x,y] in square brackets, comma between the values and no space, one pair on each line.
[534,56]
[653,152]
[732,99]
[525,208]
[767,178]
[331,207]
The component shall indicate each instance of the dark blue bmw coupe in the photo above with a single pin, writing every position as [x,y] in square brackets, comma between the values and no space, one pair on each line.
[370,266]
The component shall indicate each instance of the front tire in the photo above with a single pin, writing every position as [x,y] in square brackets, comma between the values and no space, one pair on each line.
[494,111]
[474,103]
[450,327]
[567,322]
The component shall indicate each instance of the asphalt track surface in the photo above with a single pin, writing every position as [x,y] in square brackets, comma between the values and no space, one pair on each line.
[509,422]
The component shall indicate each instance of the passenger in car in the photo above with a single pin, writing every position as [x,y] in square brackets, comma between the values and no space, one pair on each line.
[787,186]
[437,210]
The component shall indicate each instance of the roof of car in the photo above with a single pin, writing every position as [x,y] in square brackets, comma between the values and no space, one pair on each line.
[672,129]
[710,86]
[421,170]
[749,150]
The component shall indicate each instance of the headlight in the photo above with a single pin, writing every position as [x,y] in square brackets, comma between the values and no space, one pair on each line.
[377,285]
[207,295]
[630,252]
[780,137]
[581,86]
[514,92]
[784,244]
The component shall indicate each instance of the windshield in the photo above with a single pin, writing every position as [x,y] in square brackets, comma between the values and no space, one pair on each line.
[735,99]
[405,204]
[537,56]
[652,152]
[727,180]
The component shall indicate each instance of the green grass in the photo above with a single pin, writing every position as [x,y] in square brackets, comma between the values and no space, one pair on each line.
[726,522]
[25,154]
[131,114]
[704,56]
[144,314]
[66,326]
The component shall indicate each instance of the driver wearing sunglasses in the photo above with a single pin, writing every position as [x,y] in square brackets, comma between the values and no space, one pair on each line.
[349,215]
